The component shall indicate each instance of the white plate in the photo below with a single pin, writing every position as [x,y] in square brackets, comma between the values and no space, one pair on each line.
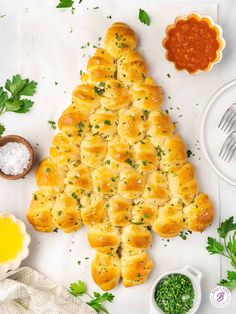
[212,138]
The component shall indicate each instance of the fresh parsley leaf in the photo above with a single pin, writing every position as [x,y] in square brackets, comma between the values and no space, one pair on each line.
[230,282]
[144,17]
[52,124]
[17,87]
[228,249]
[26,105]
[3,99]
[29,89]
[78,288]
[65,4]
[13,105]
[2,129]
[214,247]
[226,226]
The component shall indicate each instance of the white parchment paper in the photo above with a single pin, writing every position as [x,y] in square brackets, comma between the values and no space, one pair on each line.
[50,42]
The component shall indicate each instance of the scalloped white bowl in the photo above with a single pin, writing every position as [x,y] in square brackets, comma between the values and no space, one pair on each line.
[15,263]
[213,24]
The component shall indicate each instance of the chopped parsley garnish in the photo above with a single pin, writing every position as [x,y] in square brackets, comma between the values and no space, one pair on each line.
[160,152]
[129,161]
[52,124]
[168,75]
[74,195]
[107,122]
[144,17]
[189,153]
[100,89]
[175,294]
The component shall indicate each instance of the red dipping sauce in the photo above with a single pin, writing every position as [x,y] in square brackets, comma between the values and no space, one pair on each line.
[193,43]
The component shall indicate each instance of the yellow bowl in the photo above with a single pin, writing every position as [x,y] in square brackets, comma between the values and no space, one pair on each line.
[14,263]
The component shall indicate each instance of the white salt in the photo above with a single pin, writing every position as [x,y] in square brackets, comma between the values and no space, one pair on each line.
[14,158]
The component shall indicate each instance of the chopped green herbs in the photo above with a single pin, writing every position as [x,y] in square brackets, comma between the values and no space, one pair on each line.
[189,153]
[159,152]
[144,17]
[52,124]
[100,89]
[107,122]
[168,75]
[174,294]
[129,161]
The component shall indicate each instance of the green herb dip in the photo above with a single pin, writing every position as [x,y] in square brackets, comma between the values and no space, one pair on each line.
[174,294]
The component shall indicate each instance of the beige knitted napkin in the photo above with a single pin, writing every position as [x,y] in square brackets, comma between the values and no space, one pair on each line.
[27,291]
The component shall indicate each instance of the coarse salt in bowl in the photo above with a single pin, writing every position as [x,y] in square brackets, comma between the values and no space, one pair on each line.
[16,157]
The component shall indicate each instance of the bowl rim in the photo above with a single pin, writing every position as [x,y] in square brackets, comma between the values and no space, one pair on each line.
[202,129]
[24,141]
[15,263]
[213,24]
[193,274]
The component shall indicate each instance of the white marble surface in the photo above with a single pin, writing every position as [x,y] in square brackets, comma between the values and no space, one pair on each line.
[226,72]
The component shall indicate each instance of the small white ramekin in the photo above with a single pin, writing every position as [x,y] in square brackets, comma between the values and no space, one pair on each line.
[193,274]
[213,24]
[15,263]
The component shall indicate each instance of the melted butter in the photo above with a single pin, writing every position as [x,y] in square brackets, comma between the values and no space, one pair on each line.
[11,239]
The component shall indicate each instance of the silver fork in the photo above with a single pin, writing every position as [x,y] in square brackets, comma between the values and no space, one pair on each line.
[228,149]
[228,120]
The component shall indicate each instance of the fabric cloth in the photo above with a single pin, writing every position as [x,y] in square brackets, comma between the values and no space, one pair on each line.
[26,291]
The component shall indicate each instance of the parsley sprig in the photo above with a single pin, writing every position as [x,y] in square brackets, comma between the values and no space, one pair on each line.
[11,96]
[227,232]
[79,288]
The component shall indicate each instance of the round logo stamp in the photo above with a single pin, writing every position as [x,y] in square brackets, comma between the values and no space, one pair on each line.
[220,297]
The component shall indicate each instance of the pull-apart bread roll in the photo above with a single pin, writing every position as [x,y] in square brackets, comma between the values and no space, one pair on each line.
[104,237]
[50,177]
[199,214]
[40,211]
[131,125]
[144,212]
[115,96]
[63,152]
[118,166]
[85,99]
[95,212]
[182,183]
[145,156]
[66,213]
[101,66]
[173,155]
[120,38]
[131,68]
[147,95]
[135,237]
[106,270]
[160,127]
[170,220]
[74,125]
[135,268]
[119,211]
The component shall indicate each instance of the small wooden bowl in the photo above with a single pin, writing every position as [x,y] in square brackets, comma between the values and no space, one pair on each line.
[17,139]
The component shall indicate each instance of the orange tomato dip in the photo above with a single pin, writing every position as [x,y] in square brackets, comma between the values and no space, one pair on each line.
[192,44]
